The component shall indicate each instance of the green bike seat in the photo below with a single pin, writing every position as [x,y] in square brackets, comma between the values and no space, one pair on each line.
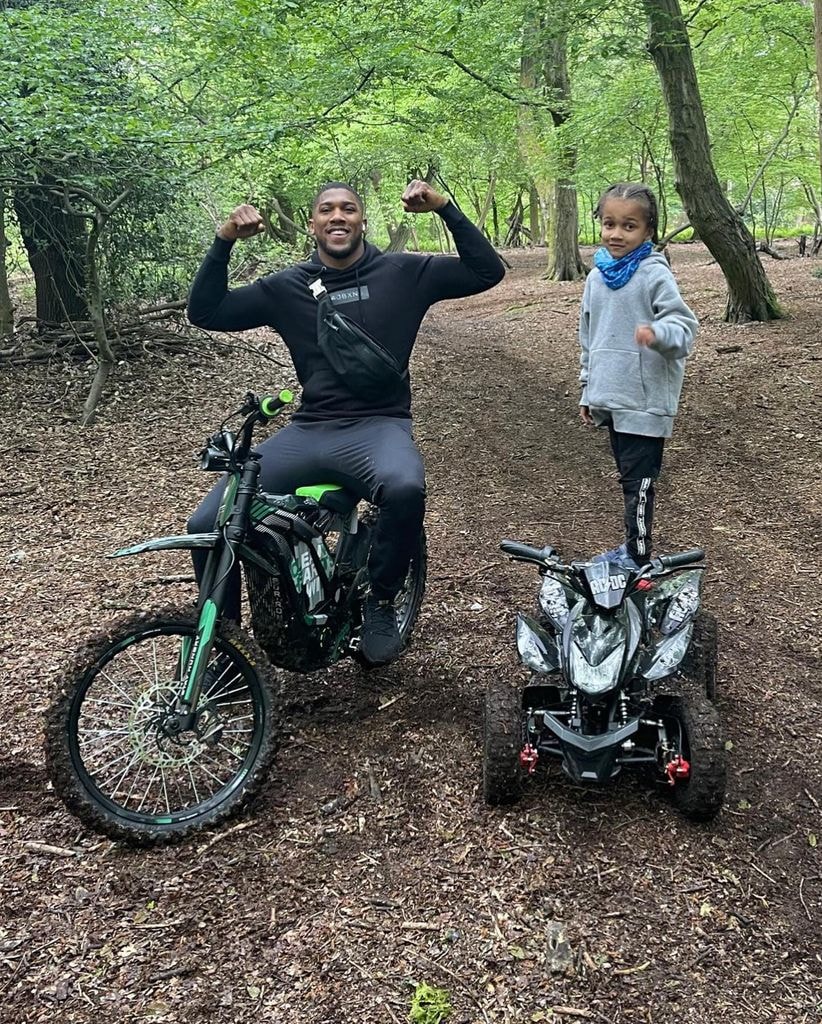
[331,496]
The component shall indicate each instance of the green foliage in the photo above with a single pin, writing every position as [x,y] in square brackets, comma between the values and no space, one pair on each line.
[194,107]
[429,1005]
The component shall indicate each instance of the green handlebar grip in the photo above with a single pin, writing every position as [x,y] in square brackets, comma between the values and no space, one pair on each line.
[270,405]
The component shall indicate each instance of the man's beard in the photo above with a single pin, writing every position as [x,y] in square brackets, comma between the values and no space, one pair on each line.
[340,253]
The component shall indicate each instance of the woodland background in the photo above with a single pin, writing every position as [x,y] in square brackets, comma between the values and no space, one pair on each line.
[128,131]
[370,867]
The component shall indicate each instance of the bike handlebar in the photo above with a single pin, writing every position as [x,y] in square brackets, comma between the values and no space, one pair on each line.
[270,405]
[527,554]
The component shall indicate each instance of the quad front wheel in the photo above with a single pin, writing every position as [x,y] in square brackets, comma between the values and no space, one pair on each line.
[697,737]
[124,759]
[502,742]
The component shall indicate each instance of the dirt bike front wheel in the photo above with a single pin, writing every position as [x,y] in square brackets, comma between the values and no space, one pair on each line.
[115,749]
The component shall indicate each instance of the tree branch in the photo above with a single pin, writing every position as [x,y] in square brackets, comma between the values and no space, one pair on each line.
[772,151]
[519,100]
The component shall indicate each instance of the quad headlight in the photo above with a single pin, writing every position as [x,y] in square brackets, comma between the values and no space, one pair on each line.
[594,679]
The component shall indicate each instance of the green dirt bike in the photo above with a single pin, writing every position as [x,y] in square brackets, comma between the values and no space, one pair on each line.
[169,721]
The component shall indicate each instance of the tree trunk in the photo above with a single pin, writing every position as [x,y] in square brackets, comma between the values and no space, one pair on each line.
[750,296]
[485,209]
[535,216]
[6,308]
[105,356]
[529,133]
[565,262]
[817,35]
[55,243]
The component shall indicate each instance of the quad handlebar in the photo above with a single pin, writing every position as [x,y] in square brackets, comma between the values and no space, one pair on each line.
[549,558]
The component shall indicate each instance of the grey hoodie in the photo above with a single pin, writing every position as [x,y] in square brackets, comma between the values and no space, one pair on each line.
[635,387]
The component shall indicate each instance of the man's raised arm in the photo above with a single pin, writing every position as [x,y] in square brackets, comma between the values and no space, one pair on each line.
[478,267]
[211,304]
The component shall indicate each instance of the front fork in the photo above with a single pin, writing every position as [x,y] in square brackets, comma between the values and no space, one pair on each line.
[195,652]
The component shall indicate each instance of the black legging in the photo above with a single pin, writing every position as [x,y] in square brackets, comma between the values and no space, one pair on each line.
[639,461]
[375,457]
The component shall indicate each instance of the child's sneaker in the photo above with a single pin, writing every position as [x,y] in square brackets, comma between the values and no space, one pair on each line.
[618,556]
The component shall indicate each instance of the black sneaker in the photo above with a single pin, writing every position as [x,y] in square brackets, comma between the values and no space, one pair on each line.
[381,641]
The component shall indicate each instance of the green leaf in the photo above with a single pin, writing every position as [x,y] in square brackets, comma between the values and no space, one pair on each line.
[429,1005]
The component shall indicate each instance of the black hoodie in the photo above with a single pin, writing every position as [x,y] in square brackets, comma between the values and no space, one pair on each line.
[387,293]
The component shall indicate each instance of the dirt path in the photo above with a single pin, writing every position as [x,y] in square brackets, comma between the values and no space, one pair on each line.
[303,913]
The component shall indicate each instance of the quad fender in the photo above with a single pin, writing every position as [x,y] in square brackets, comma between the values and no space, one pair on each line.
[537,648]
[185,541]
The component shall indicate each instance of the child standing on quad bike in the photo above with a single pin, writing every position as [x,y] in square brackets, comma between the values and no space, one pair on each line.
[636,333]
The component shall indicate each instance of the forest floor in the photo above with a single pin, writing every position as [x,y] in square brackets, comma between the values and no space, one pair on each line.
[311,911]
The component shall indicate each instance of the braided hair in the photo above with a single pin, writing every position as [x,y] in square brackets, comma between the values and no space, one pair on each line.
[639,194]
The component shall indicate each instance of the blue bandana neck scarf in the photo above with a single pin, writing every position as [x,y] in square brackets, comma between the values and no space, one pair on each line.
[617,273]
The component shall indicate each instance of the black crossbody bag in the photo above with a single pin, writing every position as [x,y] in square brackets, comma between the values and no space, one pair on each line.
[365,366]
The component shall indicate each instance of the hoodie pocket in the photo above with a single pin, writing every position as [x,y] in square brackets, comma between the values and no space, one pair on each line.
[615,380]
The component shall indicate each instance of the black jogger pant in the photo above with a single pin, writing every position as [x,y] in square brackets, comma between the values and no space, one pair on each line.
[375,457]
[639,461]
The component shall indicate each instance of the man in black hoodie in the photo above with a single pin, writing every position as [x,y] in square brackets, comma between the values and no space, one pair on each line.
[364,444]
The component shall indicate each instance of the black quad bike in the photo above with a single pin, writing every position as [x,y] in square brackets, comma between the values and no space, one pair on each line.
[169,721]
[624,676]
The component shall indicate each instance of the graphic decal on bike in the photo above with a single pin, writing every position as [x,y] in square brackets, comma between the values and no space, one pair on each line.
[307,573]
[208,617]
[617,581]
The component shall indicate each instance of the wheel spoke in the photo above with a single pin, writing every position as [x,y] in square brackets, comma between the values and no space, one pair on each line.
[204,768]
[130,653]
[129,754]
[123,774]
[222,694]
[165,790]
[117,686]
[228,750]
[148,787]
[193,784]
[108,703]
